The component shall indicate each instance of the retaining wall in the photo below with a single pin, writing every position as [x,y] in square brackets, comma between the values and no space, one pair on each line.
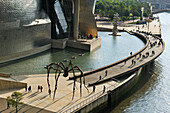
[113,96]
[8,84]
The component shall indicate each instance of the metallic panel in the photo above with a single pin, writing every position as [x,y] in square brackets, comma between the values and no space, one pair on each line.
[17,34]
[92,4]
[87,21]
[24,11]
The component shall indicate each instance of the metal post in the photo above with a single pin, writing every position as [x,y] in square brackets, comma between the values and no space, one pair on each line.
[148,26]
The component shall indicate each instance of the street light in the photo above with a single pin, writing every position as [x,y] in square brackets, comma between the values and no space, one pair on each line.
[142,9]
[148,20]
[151,9]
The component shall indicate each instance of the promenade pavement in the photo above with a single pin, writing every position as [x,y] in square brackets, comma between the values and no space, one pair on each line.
[154,27]
[42,102]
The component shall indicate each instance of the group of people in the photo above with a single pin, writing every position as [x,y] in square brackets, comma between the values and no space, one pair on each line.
[94,88]
[40,88]
[29,88]
[146,55]
[100,77]
[86,37]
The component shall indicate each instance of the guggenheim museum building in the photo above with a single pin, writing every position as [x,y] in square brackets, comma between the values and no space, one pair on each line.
[27,27]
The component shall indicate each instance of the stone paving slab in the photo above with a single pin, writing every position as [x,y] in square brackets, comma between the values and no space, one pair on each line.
[42,100]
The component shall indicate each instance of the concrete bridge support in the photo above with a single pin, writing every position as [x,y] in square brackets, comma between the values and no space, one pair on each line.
[76,18]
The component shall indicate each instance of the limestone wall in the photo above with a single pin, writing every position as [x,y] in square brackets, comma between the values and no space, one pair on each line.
[8,84]
[4,75]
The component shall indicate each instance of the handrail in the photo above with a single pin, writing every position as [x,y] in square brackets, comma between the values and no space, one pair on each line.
[90,99]
[115,63]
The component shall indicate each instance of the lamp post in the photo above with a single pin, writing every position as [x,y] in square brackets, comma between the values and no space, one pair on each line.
[151,9]
[142,9]
[148,20]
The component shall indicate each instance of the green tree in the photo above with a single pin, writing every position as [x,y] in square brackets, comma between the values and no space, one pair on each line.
[15,99]
[121,7]
[124,7]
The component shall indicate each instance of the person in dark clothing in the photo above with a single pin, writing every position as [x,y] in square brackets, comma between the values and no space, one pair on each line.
[8,105]
[29,88]
[131,53]
[94,87]
[25,88]
[41,88]
[106,73]
[100,77]
[104,88]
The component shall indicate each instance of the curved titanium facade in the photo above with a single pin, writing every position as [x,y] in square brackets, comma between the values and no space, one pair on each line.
[19,29]
[22,11]
[29,24]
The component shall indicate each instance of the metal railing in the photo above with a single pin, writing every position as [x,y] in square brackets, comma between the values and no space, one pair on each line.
[90,99]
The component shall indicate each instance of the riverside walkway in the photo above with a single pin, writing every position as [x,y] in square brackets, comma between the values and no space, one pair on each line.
[42,102]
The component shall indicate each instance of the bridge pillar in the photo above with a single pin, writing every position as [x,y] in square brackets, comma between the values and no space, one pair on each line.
[76,18]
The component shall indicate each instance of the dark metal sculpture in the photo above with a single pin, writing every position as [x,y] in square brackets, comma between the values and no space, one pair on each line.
[59,68]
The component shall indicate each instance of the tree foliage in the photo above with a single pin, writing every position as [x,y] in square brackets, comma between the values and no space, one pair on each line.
[15,99]
[123,8]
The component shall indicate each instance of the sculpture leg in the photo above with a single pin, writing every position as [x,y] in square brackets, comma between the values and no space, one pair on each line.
[74,89]
[72,69]
[80,87]
[82,75]
[48,74]
[56,84]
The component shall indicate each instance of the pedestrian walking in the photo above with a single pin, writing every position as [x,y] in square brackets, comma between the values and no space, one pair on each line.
[100,77]
[131,53]
[29,88]
[153,52]
[94,87]
[41,88]
[104,88]
[8,105]
[25,88]
[106,73]
[132,61]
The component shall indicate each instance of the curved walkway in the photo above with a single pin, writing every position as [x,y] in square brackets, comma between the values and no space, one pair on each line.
[154,47]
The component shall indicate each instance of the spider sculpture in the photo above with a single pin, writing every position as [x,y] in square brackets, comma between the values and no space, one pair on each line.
[61,68]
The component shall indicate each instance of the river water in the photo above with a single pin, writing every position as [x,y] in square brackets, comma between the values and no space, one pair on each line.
[154,96]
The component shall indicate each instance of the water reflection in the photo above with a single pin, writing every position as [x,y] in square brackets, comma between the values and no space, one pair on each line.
[111,50]
[154,96]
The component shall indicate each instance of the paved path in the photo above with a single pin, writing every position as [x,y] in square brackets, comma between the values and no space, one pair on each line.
[42,100]
[63,101]
[154,26]
[126,65]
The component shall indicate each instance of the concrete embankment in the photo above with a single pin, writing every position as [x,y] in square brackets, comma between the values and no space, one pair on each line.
[6,82]
[114,96]
[102,98]
[124,89]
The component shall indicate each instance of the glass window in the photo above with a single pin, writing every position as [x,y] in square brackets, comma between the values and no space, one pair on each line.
[60,15]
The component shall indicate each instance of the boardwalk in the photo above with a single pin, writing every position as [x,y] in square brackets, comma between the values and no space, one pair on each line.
[63,101]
